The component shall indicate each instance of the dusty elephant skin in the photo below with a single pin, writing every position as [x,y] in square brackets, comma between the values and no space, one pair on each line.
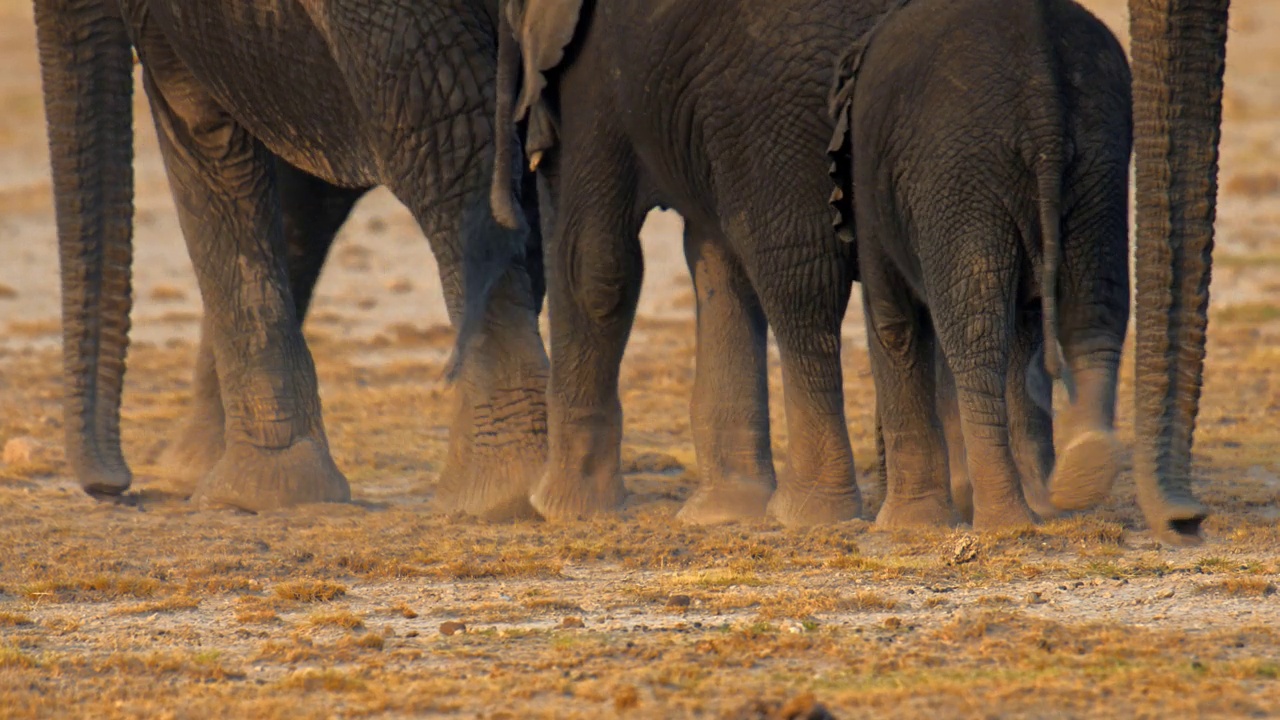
[718,111]
[990,147]
[231,93]
[1179,52]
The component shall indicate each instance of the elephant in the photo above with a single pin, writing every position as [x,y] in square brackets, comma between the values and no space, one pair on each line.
[988,149]
[350,94]
[718,110]
[1179,52]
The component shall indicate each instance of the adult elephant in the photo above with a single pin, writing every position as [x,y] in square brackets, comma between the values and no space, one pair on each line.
[1178,50]
[352,94]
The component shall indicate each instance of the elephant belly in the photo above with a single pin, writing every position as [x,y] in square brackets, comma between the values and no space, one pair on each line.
[269,67]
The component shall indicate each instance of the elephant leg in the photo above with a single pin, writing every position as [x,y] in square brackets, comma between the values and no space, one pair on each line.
[948,408]
[223,185]
[805,303]
[1093,317]
[498,435]
[976,345]
[313,212]
[900,341]
[1029,394]
[594,273]
[730,409]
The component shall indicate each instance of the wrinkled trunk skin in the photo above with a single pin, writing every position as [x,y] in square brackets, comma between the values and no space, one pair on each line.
[87,66]
[1179,53]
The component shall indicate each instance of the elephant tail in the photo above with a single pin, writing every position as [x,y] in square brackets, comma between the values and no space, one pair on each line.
[1050,150]
[502,191]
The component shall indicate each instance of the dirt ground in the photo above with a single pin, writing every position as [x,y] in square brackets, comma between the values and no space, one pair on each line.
[155,609]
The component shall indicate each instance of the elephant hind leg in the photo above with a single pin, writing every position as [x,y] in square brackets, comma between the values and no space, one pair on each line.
[805,301]
[594,273]
[314,211]
[900,340]
[730,408]
[276,452]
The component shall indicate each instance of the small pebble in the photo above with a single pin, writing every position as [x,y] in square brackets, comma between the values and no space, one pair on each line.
[451,627]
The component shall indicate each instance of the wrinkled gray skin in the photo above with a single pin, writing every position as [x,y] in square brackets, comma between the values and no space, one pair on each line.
[1179,50]
[990,148]
[717,110]
[312,211]
[353,94]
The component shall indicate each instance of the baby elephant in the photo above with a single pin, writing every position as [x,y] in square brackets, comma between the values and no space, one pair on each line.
[986,151]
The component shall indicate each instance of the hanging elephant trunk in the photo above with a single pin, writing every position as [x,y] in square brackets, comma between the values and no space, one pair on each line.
[87,65]
[1178,52]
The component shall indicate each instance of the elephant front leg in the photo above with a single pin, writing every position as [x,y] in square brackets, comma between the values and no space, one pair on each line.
[276,452]
[1029,395]
[314,211]
[594,272]
[730,409]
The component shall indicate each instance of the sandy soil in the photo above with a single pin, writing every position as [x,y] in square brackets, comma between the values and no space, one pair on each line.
[152,608]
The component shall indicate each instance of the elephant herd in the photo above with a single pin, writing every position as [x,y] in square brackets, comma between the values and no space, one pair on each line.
[965,161]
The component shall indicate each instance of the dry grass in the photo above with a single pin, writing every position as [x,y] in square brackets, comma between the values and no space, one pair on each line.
[153,608]
[309,591]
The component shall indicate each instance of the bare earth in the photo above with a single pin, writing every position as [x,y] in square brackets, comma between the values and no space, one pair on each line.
[151,608]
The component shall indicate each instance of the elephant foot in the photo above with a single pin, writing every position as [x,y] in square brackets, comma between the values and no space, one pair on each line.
[727,501]
[1086,470]
[557,498]
[1009,515]
[101,482]
[494,488]
[1173,520]
[256,479]
[1037,495]
[933,511]
[804,507]
[194,450]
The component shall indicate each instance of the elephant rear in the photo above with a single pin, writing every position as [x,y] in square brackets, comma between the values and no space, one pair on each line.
[990,143]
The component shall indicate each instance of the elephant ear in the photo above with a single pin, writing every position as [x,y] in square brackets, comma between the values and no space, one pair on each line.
[840,107]
[543,28]
[840,152]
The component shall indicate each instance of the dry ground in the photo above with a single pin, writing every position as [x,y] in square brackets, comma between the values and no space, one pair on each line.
[151,608]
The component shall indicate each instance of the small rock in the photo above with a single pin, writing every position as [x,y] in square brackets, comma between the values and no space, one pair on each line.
[572,622]
[794,627]
[1165,594]
[411,633]
[21,451]
[452,627]
[965,550]
[367,303]
[679,602]
[7,293]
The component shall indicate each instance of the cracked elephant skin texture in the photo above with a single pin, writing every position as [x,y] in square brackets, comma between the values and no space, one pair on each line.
[272,119]
[990,149]
[718,110]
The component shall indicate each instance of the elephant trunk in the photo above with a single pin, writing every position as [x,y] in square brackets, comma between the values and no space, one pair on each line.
[87,66]
[1179,51]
